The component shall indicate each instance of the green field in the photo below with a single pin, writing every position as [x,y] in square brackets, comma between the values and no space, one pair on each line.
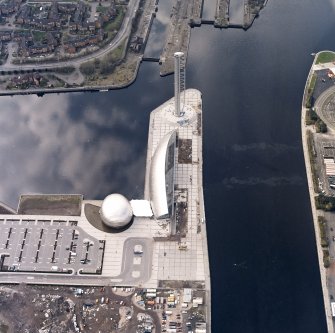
[105,65]
[324,57]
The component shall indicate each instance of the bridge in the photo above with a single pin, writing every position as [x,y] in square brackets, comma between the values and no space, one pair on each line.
[150,59]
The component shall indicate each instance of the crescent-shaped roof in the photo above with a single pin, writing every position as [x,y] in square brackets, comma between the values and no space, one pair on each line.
[157,178]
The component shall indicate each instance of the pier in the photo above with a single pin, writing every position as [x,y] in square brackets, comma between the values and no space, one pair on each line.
[184,15]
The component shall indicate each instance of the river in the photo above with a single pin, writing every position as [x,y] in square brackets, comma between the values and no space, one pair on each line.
[236,12]
[264,269]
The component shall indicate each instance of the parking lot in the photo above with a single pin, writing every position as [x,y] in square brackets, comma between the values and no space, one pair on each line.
[53,246]
[324,149]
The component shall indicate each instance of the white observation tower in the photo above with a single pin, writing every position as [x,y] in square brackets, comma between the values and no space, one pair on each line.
[179,82]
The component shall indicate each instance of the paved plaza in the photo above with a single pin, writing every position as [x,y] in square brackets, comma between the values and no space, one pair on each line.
[184,259]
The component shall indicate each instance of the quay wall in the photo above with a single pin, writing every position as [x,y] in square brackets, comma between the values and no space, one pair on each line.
[204,234]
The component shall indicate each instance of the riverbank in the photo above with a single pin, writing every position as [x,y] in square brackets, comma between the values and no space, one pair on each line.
[124,75]
[315,213]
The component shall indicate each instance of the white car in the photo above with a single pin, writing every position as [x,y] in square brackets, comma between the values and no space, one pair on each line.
[138,249]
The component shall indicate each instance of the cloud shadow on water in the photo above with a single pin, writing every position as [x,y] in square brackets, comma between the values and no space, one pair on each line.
[57,144]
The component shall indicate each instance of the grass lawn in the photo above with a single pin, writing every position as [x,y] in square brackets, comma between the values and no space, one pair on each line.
[106,65]
[116,54]
[324,57]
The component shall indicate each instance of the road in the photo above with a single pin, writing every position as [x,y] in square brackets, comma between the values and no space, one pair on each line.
[136,268]
[124,31]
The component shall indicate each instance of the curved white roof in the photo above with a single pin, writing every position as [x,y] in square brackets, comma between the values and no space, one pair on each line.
[157,185]
[116,211]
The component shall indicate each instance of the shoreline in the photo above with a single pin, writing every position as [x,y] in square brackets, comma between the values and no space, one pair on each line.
[92,89]
[322,269]
[203,220]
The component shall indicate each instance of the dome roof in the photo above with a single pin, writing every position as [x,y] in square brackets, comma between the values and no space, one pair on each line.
[116,211]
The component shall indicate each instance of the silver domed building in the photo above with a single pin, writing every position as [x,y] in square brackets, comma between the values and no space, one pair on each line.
[116,211]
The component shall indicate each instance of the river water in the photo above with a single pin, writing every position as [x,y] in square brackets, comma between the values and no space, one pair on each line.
[159,30]
[236,12]
[264,269]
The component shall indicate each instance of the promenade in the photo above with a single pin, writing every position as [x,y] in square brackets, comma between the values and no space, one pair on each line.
[312,194]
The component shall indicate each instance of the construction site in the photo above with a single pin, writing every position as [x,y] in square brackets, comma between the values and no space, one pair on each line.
[99,309]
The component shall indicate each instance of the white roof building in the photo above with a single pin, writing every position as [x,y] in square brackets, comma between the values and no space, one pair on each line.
[161,176]
[187,295]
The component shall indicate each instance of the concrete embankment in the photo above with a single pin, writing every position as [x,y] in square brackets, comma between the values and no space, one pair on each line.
[204,238]
[197,12]
[148,15]
[251,11]
[323,270]
[222,14]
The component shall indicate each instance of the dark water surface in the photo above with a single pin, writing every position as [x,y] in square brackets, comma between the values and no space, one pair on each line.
[209,9]
[264,269]
[236,11]
[159,29]
[265,275]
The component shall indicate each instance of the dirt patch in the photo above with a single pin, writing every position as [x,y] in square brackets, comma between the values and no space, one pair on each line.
[176,284]
[181,211]
[62,205]
[185,151]
[181,218]
[26,311]
[59,309]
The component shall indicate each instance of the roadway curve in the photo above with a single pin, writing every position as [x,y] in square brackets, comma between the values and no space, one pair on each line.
[124,31]
[320,104]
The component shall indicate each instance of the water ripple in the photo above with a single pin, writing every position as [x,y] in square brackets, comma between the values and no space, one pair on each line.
[271,181]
